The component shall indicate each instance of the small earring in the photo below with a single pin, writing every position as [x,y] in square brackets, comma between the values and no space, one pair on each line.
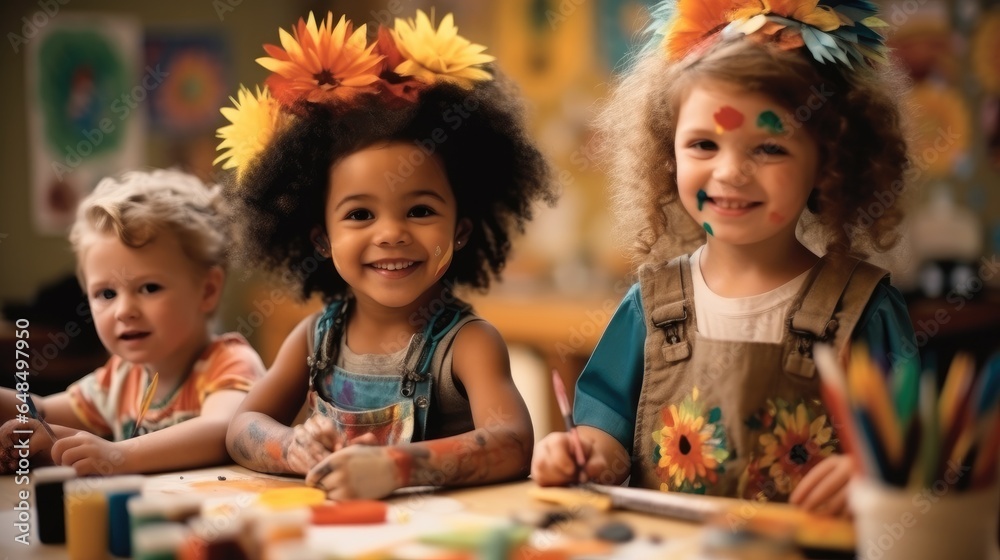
[458,244]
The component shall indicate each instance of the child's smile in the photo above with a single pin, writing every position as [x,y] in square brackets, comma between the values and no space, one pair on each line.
[391,268]
[391,233]
[743,173]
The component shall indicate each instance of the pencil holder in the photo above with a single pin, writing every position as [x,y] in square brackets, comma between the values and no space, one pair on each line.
[937,522]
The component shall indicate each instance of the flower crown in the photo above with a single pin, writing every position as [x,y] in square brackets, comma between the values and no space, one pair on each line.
[335,64]
[832,30]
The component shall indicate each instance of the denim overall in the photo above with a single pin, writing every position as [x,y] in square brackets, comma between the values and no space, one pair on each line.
[393,406]
[739,419]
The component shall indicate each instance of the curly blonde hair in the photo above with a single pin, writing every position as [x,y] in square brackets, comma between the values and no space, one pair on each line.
[141,205]
[854,115]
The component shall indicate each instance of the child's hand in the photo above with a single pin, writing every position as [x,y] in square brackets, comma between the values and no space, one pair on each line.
[89,454]
[28,444]
[824,488]
[312,441]
[554,463]
[357,472]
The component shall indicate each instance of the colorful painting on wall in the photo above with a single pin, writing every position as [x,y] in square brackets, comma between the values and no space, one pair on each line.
[198,79]
[83,92]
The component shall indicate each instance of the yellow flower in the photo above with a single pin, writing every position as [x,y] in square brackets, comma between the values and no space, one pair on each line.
[321,64]
[441,54]
[253,122]
[796,445]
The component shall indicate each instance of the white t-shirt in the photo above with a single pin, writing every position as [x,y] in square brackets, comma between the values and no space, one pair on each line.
[759,318]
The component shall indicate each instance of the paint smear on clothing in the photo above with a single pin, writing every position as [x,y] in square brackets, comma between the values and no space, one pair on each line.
[708,228]
[702,197]
[770,121]
[727,118]
[346,394]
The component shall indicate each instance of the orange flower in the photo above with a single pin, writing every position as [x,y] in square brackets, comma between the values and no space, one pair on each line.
[692,447]
[324,64]
[803,11]
[404,87]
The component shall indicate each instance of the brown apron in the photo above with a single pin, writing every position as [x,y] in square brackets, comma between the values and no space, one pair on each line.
[739,419]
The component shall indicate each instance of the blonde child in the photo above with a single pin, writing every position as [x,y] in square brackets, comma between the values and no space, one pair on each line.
[743,125]
[151,252]
[394,176]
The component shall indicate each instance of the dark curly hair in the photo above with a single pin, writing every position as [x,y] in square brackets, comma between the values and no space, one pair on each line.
[495,171]
[854,116]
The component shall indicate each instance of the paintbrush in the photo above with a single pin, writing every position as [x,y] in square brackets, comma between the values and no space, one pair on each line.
[567,414]
[147,399]
[34,414]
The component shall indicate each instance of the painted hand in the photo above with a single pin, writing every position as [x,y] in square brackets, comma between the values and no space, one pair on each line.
[14,447]
[824,488]
[312,441]
[89,454]
[553,462]
[357,472]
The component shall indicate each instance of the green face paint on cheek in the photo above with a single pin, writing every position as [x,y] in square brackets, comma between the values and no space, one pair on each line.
[702,197]
[708,228]
[771,122]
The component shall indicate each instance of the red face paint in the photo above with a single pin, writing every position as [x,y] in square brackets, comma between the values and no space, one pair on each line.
[775,218]
[728,118]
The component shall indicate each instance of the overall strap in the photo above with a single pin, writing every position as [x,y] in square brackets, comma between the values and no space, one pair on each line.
[830,308]
[417,365]
[328,329]
[417,380]
[667,296]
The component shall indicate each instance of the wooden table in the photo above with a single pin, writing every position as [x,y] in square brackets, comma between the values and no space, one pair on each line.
[501,499]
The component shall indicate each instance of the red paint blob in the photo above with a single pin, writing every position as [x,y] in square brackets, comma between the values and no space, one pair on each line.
[728,118]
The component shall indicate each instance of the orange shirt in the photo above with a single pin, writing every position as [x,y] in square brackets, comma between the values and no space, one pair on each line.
[107,400]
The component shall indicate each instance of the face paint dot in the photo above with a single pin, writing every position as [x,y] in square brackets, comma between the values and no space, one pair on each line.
[770,121]
[708,228]
[702,197]
[728,118]
[437,251]
[775,218]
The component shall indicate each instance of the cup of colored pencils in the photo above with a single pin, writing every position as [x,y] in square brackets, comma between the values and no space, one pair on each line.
[926,460]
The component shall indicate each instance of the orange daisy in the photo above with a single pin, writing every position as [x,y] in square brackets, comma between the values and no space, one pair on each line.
[691,446]
[321,64]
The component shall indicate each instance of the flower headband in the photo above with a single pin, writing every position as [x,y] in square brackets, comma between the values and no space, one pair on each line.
[832,30]
[334,64]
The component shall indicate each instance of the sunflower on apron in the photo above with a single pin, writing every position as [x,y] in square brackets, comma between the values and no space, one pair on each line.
[738,418]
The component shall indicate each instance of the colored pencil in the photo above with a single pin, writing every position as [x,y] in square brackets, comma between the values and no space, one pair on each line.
[34,414]
[567,414]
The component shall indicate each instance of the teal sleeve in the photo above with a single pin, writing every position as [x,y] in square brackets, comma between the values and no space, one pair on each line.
[607,393]
[885,325]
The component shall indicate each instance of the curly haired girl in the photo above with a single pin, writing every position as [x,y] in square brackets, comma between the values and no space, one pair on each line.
[749,120]
[382,177]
